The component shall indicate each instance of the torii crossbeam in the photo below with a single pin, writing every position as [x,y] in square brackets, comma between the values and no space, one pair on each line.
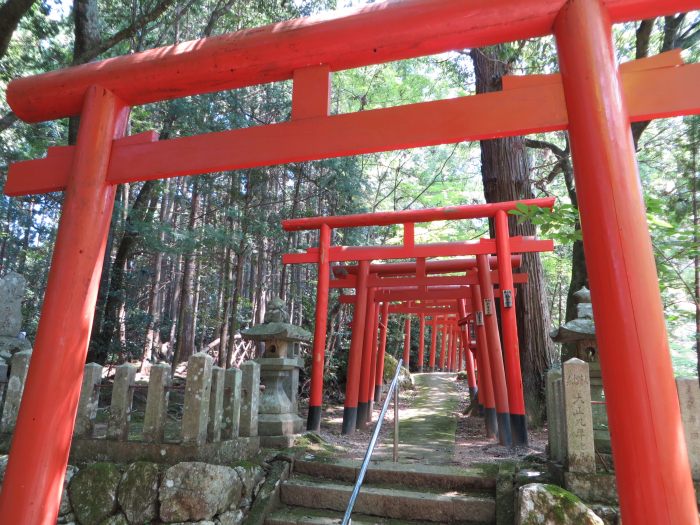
[593,99]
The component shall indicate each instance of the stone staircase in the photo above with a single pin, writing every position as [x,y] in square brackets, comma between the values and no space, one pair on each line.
[318,492]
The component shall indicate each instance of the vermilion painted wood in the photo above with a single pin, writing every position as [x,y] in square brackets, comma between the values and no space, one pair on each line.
[646,430]
[443,341]
[498,375]
[33,483]
[447,249]
[352,388]
[386,218]
[651,92]
[366,369]
[311,92]
[421,341]
[469,360]
[509,326]
[379,376]
[321,320]
[483,359]
[371,35]
[373,363]
[433,342]
[411,282]
[447,266]
[407,342]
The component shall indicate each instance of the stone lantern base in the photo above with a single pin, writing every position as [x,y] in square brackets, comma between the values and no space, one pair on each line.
[278,421]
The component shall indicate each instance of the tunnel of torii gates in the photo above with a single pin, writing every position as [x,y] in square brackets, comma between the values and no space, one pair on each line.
[591,97]
[382,283]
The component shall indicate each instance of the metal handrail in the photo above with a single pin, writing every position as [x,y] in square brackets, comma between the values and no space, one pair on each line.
[393,388]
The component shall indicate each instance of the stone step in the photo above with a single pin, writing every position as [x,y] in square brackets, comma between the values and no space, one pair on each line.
[441,506]
[410,476]
[303,516]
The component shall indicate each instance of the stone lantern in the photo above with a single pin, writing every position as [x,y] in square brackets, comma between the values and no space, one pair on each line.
[278,420]
[579,340]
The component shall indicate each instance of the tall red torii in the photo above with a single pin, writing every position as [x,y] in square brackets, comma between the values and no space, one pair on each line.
[591,98]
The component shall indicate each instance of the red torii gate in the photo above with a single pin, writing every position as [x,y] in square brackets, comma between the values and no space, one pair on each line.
[591,98]
[513,410]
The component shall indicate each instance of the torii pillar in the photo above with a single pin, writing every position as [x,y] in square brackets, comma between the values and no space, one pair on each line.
[651,459]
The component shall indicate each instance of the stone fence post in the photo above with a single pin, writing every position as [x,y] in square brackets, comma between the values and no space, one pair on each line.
[578,417]
[195,414]
[156,403]
[689,398]
[250,395]
[216,405]
[120,407]
[232,403]
[89,400]
[15,387]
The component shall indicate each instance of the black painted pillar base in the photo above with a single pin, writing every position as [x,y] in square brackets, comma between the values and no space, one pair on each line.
[491,422]
[378,393]
[505,436]
[481,410]
[472,393]
[349,420]
[313,421]
[362,414]
[518,425]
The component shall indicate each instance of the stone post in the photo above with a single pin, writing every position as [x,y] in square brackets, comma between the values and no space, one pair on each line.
[197,392]
[578,417]
[120,407]
[689,398]
[156,403]
[15,387]
[3,371]
[232,403]
[250,394]
[89,399]
[216,405]
[556,434]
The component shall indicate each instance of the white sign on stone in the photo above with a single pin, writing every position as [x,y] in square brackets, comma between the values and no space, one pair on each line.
[578,416]
[689,398]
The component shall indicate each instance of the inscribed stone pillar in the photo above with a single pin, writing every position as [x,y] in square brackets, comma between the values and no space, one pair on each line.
[232,403]
[560,432]
[120,407]
[554,414]
[216,404]
[250,394]
[89,398]
[197,392]
[689,398]
[578,417]
[15,387]
[157,403]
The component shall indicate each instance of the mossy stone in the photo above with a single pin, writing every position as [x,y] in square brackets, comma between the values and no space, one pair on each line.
[138,492]
[93,492]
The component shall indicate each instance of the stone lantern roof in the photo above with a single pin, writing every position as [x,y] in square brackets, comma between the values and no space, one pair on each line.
[276,326]
[580,329]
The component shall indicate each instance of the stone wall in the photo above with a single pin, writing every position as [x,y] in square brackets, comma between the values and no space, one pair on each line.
[106,493]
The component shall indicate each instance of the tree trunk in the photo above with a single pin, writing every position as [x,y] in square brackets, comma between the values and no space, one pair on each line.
[505,172]
[185,322]
[11,12]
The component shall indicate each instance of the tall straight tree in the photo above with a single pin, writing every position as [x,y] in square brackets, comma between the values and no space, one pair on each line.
[505,173]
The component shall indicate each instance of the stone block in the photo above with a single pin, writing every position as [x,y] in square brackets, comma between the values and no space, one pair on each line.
[197,393]
[89,398]
[578,417]
[13,392]
[250,395]
[11,293]
[157,403]
[232,403]
[216,404]
[689,398]
[120,407]
[554,415]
